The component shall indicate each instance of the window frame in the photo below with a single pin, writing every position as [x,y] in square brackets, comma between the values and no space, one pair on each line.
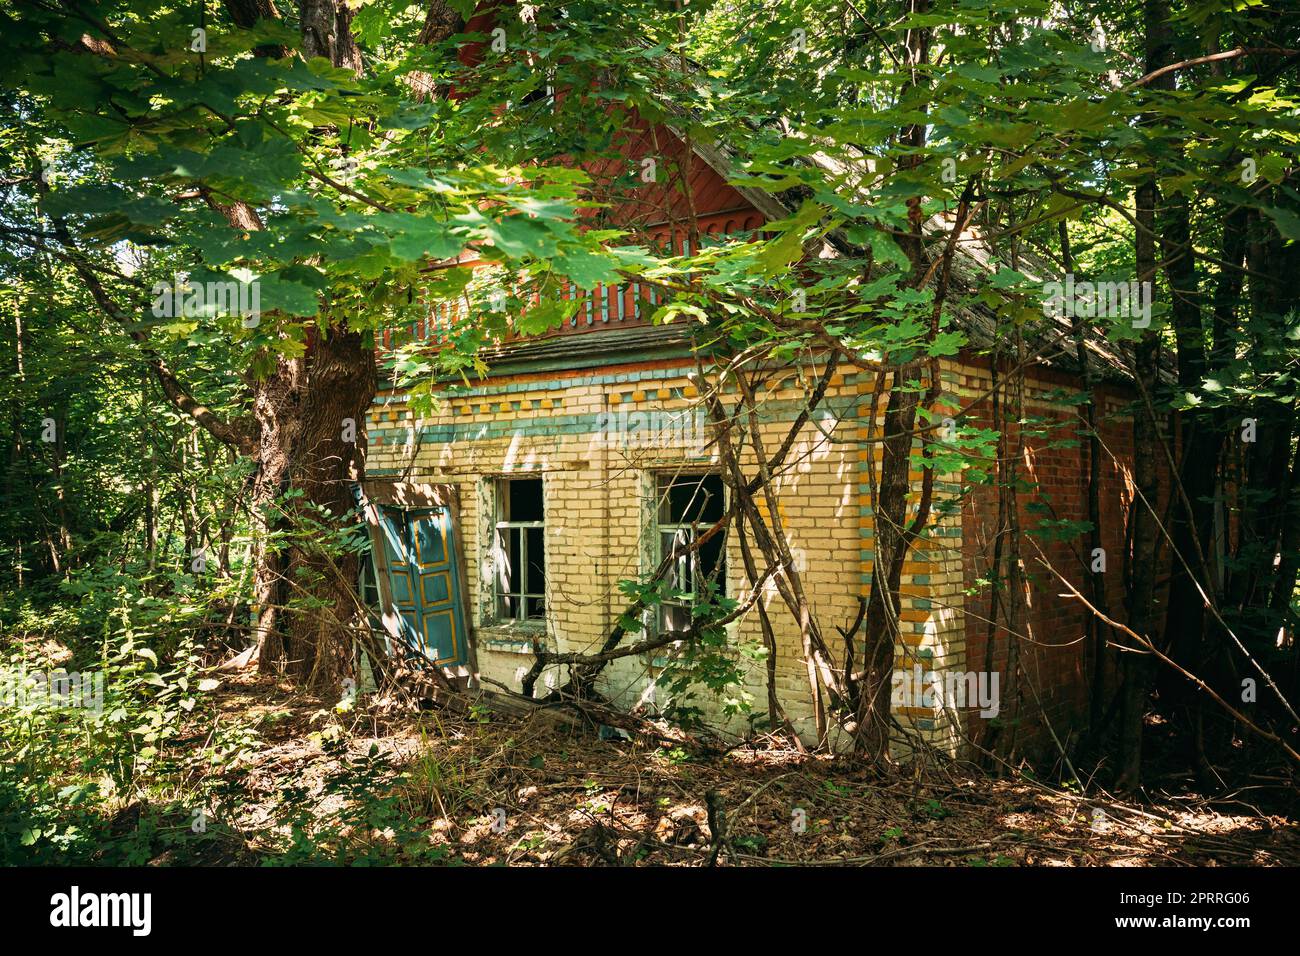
[501,556]
[368,582]
[660,482]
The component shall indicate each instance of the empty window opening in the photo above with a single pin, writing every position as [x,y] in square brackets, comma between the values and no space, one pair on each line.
[688,506]
[520,550]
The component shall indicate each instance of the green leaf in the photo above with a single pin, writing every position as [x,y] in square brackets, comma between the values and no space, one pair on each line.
[588,269]
[547,315]
[1288,223]
[281,294]
[419,237]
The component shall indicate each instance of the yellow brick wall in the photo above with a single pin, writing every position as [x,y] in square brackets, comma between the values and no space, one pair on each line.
[596,493]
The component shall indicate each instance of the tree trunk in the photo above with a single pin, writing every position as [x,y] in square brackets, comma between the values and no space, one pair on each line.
[307,410]
[1192,510]
[311,424]
[327,32]
[889,520]
[1146,438]
[1098,643]
[889,517]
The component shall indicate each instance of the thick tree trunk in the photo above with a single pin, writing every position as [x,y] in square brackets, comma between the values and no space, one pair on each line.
[326,31]
[311,413]
[275,402]
[311,418]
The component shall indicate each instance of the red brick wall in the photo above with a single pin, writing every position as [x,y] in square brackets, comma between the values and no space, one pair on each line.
[1055,657]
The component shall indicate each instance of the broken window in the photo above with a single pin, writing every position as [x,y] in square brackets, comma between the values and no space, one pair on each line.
[688,506]
[520,550]
[368,582]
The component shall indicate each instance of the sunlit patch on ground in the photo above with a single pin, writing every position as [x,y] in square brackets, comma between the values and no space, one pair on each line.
[494,790]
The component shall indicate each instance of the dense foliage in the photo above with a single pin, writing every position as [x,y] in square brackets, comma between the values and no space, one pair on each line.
[149,514]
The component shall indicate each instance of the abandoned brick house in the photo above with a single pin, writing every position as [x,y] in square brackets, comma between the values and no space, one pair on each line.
[510,514]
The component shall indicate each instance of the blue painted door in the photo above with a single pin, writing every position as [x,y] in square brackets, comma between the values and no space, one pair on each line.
[424,578]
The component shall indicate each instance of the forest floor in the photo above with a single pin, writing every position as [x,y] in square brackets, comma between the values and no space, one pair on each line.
[483,789]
